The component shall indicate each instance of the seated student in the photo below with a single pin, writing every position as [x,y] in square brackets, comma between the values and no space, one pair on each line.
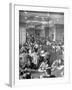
[47,74]
[26,75]
[58,68]
[43,66]
[48,43]
[57,64]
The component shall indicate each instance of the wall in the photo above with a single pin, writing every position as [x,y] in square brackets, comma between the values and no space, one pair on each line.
[4,43]
[59,32]
[22,35]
